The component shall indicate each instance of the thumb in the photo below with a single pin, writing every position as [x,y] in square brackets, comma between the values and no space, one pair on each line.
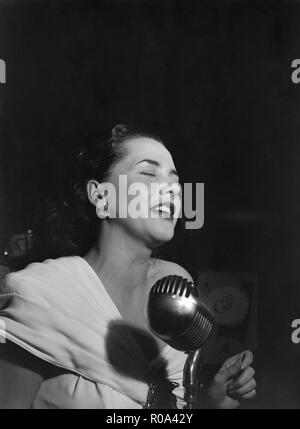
[228,373]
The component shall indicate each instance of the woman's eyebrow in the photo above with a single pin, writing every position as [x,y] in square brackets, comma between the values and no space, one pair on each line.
[157,164]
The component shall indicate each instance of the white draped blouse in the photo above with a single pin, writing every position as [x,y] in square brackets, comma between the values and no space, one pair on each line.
[60,312]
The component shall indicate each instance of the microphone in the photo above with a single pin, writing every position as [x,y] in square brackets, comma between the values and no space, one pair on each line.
[179,314]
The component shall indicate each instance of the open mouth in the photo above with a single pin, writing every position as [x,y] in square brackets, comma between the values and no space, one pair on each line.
[166,211]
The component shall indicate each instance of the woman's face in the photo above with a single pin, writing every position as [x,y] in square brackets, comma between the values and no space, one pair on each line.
[149,172]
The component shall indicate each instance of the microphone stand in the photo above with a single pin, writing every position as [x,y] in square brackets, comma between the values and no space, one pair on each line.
[191,378]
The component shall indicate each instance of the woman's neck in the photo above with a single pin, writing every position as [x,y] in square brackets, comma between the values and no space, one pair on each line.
[118,259]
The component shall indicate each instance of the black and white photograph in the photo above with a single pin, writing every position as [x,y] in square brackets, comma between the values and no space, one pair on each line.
[150,207]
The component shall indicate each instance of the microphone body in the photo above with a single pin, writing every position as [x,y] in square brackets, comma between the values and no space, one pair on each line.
[179,315]
[191,382]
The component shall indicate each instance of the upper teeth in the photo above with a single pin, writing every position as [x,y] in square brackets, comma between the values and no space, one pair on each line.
[163,209]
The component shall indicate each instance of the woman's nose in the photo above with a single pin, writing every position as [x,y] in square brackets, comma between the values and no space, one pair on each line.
[174,189]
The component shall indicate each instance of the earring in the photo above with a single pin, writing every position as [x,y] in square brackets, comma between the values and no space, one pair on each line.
[101,204]
[102,208]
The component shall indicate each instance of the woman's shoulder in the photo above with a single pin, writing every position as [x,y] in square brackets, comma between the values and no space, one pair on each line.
[162,268]
[49,271]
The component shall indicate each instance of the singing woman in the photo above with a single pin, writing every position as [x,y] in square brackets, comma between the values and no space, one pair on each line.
[75,326]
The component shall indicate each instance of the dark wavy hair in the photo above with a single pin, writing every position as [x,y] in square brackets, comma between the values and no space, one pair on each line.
[68,226]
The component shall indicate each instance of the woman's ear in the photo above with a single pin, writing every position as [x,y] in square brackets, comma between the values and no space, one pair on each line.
[93,191]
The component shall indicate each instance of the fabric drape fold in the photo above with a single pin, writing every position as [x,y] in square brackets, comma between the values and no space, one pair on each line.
[59,311]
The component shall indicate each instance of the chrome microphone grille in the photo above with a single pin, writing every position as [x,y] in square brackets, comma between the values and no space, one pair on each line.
[179,314]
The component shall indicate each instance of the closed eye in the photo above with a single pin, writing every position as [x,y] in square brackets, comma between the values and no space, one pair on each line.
[148,174]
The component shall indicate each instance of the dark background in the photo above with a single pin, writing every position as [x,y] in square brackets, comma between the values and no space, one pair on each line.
[213,78]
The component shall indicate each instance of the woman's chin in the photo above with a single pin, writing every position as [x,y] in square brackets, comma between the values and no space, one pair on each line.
[162,231]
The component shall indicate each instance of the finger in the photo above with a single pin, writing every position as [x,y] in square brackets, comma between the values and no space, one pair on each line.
[228,373]
[242,390]
[249,395]
[231,361]
[243,378]
[247,359]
